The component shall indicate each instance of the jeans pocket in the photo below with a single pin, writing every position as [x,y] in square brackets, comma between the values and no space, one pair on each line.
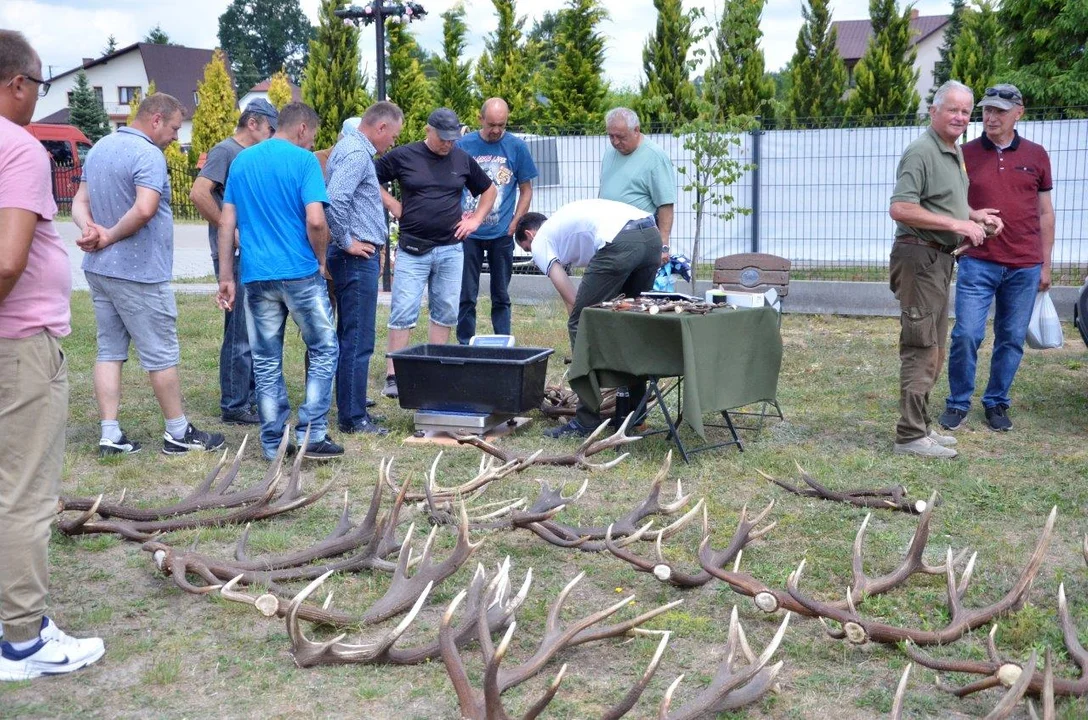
[918,327]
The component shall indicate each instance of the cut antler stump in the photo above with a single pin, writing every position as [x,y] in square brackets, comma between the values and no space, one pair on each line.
[890,498]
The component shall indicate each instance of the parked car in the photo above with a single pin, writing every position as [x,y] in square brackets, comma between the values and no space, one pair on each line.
[67,147]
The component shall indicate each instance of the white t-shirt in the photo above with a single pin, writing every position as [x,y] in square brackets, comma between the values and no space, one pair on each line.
[576,231]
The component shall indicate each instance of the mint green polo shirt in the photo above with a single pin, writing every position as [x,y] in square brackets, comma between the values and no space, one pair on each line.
[645,178]
[932,175]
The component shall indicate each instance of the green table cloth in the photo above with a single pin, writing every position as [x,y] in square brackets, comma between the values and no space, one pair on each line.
[727,358]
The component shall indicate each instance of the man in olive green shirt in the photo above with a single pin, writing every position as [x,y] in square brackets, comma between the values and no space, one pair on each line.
[932,217]
[637,171]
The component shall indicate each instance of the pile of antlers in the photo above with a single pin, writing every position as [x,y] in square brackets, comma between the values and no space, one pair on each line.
[653,306]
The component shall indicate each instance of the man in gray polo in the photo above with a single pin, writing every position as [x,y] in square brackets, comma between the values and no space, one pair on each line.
[123,208]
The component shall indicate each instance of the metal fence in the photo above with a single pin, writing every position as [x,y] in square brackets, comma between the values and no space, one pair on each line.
[819,190]
[66,181]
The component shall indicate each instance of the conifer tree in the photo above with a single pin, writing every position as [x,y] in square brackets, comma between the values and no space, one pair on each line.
[736,72]
[942,69]
[575,88]
[279,89]
[157,36]
[503,69]
[111,45]
[817,72]
[978,59]
[85,112]
[668,96]
[453,86]
[216,113]
[1048,50]
[408,86]
[332,83]
[137,98]
[885,74]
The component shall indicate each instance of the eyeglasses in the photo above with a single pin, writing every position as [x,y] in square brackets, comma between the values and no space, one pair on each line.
[1003,94]
[43,85]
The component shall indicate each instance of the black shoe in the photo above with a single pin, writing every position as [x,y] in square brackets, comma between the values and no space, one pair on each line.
[390,390]
[952,418]
[322,450]
[572,428]
[365,426]
[371,402]
[124,446]
[192,440]
[997,417]
[242,417]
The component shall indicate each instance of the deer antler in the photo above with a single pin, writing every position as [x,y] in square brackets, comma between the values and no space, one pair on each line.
[661,568]
[858,630]
[579,458]
[890,498]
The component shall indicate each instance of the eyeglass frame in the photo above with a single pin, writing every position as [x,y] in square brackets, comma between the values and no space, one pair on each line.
[43,85]
[1004,95]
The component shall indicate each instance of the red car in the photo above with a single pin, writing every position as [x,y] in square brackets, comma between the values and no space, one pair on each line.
[67,146]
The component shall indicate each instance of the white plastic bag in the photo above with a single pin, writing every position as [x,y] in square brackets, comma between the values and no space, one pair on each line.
[1044,329]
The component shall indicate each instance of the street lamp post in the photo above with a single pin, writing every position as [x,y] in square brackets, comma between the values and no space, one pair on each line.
[377,12]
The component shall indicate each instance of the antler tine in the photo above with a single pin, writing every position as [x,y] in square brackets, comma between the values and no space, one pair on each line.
[680,523]
[1048,687]
[70,526]
[666,701]
[900,693]
[232,472]
[1069,633]
[492,691]
[538,707]
[455,666]
[590,635]
[620,709]
[991,647]
[1008,703]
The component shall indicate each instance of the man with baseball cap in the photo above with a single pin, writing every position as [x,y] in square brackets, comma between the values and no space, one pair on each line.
[432,175]
[237,401]
[1012,175]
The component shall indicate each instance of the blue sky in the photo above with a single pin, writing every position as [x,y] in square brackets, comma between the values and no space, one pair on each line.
[64,32]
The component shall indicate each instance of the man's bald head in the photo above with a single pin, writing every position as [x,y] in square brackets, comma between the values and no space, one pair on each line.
[494,115]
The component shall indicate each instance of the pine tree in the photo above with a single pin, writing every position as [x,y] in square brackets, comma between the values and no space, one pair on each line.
[942,69]
[157,36]
[885,74]
[85,112]
[332,83]
[216,113]
[453,86]
[279,90]
[111,45]
[735,77]
[978,57]
[668,96]
[1046,42]
[575,88]
[408,86]
[503,69]
[817,73]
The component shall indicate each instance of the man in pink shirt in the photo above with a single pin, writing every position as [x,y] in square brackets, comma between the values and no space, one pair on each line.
[35,284]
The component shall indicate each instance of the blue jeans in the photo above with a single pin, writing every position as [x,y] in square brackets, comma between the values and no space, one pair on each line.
[440,272]
[500,263]
[236,390]
[268,303]
[356,282]
[979,284]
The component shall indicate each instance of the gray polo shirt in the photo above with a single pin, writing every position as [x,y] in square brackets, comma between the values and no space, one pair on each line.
[116,166]
[932,175]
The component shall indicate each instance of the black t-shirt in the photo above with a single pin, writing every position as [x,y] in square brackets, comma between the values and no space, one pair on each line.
[430,188]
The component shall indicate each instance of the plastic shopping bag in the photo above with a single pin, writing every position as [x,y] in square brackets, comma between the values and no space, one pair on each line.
[1044,329]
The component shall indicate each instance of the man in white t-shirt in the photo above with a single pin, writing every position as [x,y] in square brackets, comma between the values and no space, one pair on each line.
[618,244]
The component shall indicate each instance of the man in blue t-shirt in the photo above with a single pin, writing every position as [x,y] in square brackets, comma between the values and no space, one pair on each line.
[276,199]
[506,160]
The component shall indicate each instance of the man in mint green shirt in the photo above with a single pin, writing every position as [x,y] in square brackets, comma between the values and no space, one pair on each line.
[637,171]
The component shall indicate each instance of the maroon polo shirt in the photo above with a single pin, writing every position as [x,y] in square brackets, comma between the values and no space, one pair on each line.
[1009,180]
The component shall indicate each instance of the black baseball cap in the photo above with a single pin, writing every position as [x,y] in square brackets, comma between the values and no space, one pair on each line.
[445,123]
[263,107]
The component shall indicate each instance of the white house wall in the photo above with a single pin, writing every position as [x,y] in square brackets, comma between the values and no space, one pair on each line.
[929,52]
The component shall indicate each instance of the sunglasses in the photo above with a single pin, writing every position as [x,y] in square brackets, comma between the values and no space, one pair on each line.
[43,85]
[1003,94]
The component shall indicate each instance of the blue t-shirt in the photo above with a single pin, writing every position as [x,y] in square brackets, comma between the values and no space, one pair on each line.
[508,164]
[270,185]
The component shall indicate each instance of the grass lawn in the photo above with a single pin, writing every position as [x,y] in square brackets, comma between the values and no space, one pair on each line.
[171,654]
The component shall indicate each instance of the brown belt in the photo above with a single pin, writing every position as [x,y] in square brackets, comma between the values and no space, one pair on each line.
[911,240]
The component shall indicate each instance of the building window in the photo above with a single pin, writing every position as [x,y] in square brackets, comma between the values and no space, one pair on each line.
[196,99]
[98,95]
[125,95]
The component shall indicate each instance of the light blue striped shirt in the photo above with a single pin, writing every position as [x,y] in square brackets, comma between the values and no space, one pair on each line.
[355,202]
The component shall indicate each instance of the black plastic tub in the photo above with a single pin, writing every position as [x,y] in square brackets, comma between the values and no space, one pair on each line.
[463,378]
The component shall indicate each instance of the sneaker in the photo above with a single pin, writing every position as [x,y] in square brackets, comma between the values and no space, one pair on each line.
[952,418]
[192,440]
[54,654]
[371,402]
[925,447]
[124,446]
[390,390]
[942,440]
[997,417]
[242,417]
[322,450]
[368,426]
[572,428]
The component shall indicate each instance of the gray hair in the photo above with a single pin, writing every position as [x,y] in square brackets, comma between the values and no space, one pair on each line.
[948,87]
[297,113]
[383,111]
[16,55]
[627,115]
[159,104]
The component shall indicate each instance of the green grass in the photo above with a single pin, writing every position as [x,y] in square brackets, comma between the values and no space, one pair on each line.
[170,654]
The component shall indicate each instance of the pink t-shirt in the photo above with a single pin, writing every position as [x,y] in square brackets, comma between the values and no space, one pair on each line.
[40,299]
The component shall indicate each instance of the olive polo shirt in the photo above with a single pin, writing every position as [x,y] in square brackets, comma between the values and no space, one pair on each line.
[932,175]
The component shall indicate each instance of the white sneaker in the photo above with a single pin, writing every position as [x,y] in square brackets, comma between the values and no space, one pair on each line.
[942,440]
[925,447]
[56,653]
